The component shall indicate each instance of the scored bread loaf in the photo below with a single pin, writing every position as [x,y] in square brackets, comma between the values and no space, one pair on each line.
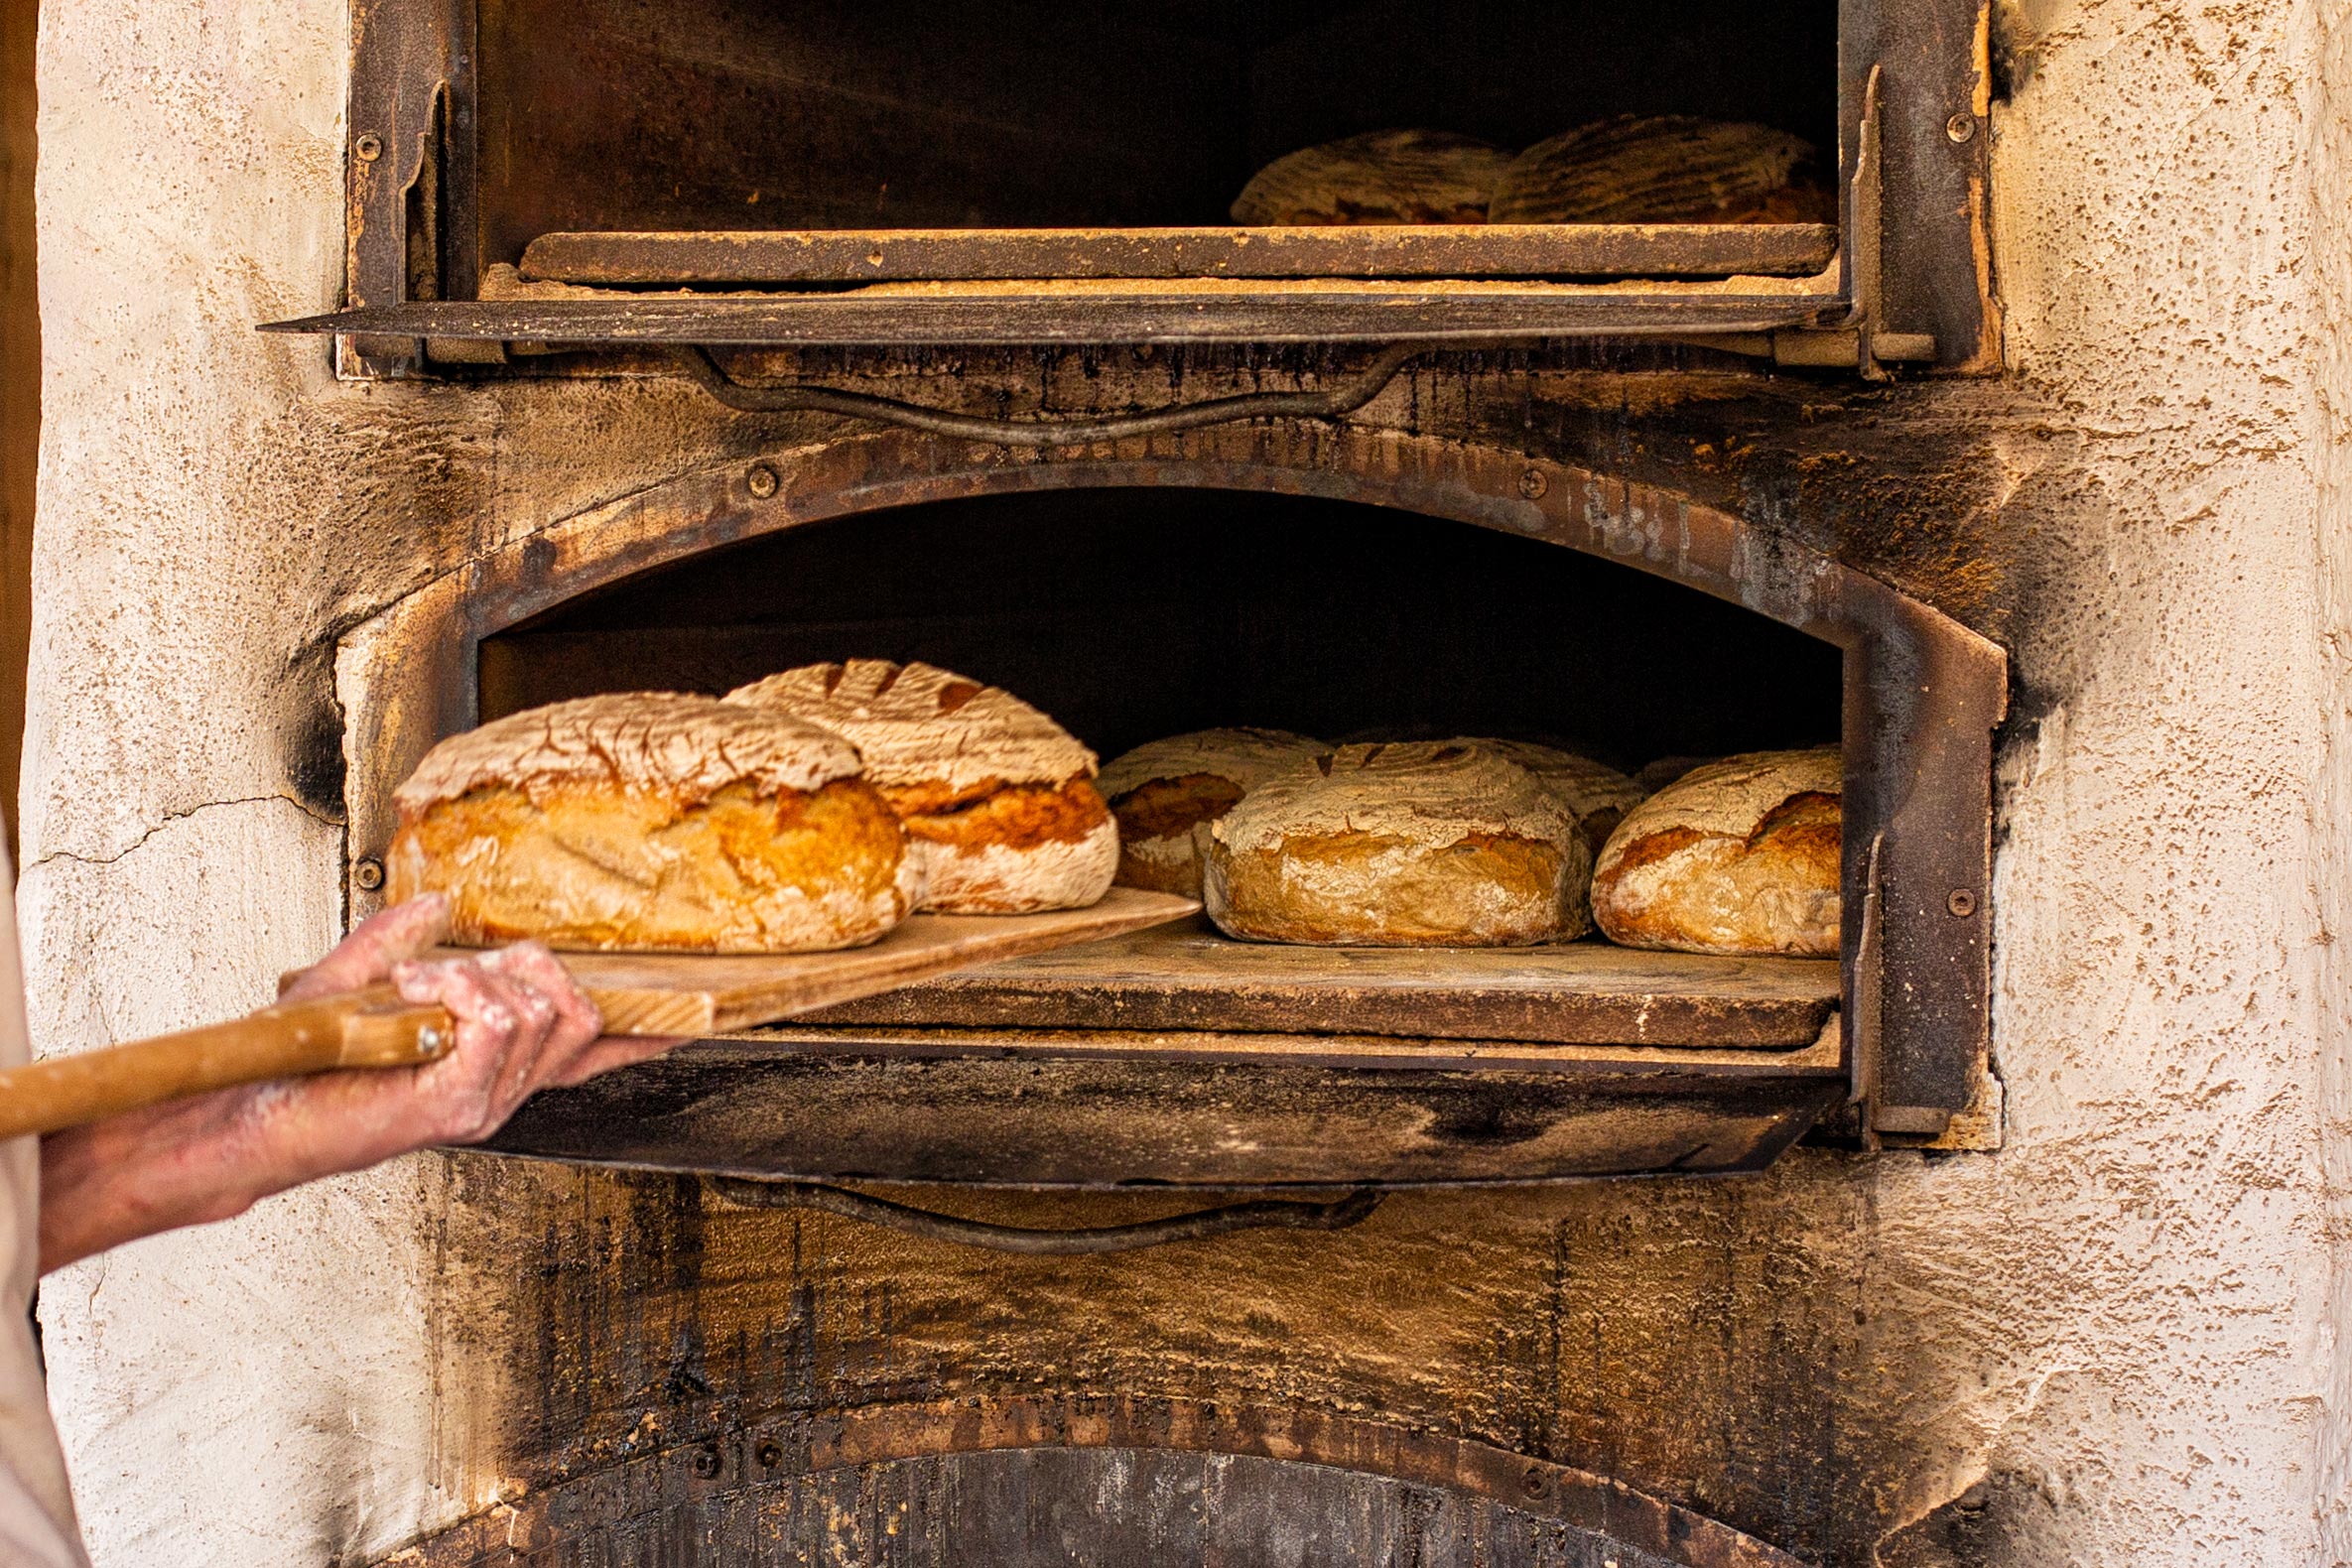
[1166,793]
[1419,845]
[1739,856]
[648,822]
[1597,795]
[1379,176]
[998,799]
[1666,169]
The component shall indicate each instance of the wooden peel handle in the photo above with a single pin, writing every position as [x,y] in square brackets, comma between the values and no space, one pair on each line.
[368,1029]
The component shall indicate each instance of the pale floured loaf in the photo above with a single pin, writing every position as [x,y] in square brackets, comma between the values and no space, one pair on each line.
[998,799]
[1426,844]
[1166,793]
[1380,177]
[648,822]
[1597,795]
[1666,169]
[1739,856]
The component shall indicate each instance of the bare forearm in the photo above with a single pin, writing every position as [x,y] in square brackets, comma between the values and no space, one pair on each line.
[522,1025]
[153,1170]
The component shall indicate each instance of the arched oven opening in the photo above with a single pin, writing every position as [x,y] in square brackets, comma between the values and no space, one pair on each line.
[1286,575]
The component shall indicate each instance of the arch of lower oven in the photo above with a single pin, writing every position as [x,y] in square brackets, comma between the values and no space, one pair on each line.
[1922,692]
[1021,1480]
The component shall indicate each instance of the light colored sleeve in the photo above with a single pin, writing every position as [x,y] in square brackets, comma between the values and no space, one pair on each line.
[37,1526]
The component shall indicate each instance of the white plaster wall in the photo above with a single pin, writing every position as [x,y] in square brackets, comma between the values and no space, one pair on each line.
[190,180]
[2131,1302]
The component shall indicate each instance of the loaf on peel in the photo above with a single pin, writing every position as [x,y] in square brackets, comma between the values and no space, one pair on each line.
[1738,856]
[1426,844]
[997,800]
[1166,793]
[647,822]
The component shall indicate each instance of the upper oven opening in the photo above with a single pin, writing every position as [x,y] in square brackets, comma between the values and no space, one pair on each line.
[829,114]
[1797,180]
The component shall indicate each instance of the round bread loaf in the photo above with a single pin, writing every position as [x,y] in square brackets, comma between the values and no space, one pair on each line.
[1666,169]
[997,799]
[1165,793]
[647,822]
[1596,794]
[1380,177]
[1420,845]
[1739,856]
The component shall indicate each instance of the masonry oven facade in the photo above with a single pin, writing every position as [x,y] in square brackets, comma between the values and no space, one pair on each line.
[573,412]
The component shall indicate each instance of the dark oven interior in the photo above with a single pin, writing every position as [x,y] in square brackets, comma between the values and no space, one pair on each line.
[978,113]
[1136,613]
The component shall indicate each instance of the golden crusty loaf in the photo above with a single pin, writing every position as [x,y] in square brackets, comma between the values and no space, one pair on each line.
[648,822]
[998,799]
[1666,169]
[1596,794]
[1165,793]
[1426,844]
[1739,856]
[1380,177]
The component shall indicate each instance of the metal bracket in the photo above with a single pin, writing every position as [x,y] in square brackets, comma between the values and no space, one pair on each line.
[1261,1215]
[1347,396]
[1863,1030]
[1860,343]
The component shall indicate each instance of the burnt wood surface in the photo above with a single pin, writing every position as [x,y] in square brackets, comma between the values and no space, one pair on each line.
[739,1109]
[1122,1482]
[1189,977]
[751,258]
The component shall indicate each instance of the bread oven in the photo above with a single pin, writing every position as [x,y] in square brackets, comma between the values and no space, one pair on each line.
[1082,435]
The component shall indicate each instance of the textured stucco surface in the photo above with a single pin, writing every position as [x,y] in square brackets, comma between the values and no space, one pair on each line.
[2113,1343]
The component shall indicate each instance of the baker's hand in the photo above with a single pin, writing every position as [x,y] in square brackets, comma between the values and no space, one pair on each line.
[522,1026]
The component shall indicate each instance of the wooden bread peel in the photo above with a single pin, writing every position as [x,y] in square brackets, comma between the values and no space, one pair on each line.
[638,994]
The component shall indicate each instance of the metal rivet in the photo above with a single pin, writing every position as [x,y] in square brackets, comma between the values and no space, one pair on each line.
[369,147]
[1962,902]
[770,1454]
[706,1461]
[430,1043]
[368,874]
[1961,128]
[1533,485]
[762,481]
[1532,1482]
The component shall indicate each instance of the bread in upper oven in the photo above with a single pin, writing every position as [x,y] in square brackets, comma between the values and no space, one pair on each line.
[648,822]
[1597,795]
[1738,856]
[998,799]
[1166,793]
[1379,176]
[1666,169]
[1425,844]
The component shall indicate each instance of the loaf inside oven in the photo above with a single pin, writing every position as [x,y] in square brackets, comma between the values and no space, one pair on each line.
[1738,856]
[1426,844]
